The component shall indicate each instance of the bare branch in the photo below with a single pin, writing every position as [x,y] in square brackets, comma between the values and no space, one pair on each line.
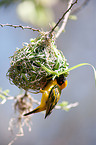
[4,96]
[68,10]
[64,20]
[69,106]
[20,26]
[80,7]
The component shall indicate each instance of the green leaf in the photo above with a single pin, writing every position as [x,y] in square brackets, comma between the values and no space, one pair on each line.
[63,104]
[49,71]
[72,68]
[79,65]
[6,92]
[2,97]
[73,17]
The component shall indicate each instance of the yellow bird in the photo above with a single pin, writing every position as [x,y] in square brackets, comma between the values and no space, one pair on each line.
[50,95]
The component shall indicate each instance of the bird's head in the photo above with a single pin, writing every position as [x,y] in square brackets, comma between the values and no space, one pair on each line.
[61,81]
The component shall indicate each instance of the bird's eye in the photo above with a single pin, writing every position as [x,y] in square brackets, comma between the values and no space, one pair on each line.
[61,79]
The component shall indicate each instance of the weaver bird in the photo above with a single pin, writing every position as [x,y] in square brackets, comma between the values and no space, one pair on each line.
[50,95]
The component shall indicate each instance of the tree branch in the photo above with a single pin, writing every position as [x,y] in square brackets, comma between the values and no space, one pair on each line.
[67,12]
[64,20]
[67,107]
[20,26]
[80,7]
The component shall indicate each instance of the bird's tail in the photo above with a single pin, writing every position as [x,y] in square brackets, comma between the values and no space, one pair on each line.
[38,109]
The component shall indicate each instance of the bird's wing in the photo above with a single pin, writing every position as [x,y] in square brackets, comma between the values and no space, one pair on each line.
[53,98]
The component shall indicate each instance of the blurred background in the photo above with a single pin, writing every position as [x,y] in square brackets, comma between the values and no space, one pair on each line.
[78,43]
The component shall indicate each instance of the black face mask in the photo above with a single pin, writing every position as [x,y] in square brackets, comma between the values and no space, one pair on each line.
[61,79]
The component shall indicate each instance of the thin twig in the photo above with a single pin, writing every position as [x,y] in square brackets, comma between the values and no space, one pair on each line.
[8,97]
[5,94]
[68,10]
[35,101]
[80,7]
[20,26]
[64,20]
[69,106]
[5,97]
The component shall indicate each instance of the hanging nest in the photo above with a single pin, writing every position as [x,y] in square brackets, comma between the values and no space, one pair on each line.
[28,64]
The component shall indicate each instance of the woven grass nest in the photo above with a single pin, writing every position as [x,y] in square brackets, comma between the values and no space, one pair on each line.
[28,64]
